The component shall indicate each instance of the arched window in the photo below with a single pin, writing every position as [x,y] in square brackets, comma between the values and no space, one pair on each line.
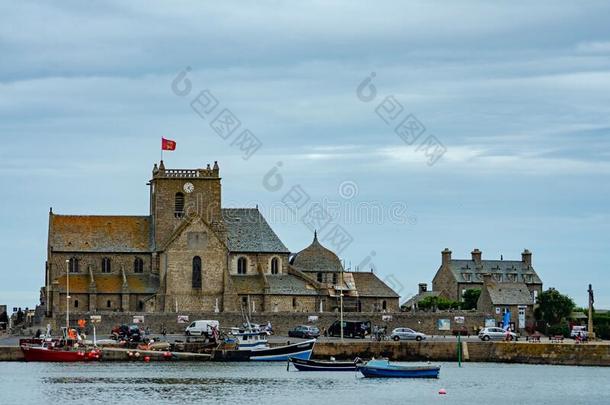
[294,302]
[75,303]
[384,305]
[138,265]
[275,265]
[196,272]
[242,265]
[108,304]
[179,205]
[106,268]
[320,277]
[73,265]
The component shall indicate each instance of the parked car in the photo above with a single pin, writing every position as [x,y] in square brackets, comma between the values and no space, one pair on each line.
[494,333]
[406,334]
[350,329]
[576,330]
[131,333]
[201,328]
[304,332]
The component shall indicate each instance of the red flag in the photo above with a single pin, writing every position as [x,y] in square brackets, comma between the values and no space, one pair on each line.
[168,144]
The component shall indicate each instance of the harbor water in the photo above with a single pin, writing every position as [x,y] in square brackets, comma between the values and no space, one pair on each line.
[270,383]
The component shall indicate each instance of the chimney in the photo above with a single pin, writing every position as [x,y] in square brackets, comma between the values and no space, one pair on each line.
[487,279]
[476,256]
[446,255]
[423,287]
[526,258]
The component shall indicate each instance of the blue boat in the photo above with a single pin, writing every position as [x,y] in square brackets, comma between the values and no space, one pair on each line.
[383,369]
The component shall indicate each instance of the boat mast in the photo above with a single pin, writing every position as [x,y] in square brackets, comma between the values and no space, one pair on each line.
[341,302]
[67,296]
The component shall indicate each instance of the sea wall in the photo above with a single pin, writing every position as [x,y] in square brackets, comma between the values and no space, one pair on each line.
[590,354]
[283,321]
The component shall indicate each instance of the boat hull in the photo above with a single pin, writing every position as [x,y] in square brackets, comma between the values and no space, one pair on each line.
[41,354]
[300,350]
[385,370]
[312,365]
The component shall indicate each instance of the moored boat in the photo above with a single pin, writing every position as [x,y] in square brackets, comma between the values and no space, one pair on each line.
[47,352]
[383,369]
[323,365]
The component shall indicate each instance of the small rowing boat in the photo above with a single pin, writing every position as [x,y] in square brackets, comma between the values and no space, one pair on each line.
[322,365]
[383,369]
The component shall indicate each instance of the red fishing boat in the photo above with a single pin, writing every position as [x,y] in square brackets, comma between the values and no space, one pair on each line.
[48,352]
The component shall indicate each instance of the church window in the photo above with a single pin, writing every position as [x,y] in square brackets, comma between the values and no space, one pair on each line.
[275,265]
[108,304]
[75,303]
[179,205]
[138,265]
[294,302]
[384,305]
[320,277]
[73,265]
[242,265]
[140,305]
[196,272]
[106,268]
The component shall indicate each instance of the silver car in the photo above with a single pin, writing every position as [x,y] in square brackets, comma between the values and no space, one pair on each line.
[406,334]
[496,334]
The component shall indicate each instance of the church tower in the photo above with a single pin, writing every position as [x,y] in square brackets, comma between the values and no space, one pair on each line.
[179,194]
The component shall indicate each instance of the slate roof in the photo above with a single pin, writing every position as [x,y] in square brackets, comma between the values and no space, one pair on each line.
[418,297]
[248,231]
[462,268]
[119,234]
[316,258]
[369,285]
[509,294]
[288,284]
[111,283]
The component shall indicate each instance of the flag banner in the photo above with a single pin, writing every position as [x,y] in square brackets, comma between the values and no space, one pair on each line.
[168,144]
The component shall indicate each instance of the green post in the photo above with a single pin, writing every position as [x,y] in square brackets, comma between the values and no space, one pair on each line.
[459,349]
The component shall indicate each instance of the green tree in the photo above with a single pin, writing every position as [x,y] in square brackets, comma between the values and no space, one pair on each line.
[441,303]
[553,306]
[470,298]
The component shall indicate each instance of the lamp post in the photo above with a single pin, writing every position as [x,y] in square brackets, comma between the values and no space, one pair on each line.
[67,296]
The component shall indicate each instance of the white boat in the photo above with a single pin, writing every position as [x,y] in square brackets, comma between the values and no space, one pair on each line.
[255,342]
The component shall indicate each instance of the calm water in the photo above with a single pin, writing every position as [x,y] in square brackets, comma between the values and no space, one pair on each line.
[155,383]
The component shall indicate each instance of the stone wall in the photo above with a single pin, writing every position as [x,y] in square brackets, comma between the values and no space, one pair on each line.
[283,321]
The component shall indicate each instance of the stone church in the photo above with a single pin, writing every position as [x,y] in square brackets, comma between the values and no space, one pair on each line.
[190,254]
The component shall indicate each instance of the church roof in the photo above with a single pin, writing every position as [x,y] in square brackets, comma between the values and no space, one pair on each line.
[288,284]
[248,231]
[317,258]
[81,233]
[369,285]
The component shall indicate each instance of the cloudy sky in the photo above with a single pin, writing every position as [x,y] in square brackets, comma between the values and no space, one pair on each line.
[518,95]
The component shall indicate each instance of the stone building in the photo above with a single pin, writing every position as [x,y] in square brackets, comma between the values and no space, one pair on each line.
[190,254]
[455,276]
[515,297]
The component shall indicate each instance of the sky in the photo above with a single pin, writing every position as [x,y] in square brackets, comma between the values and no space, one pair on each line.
[410,127]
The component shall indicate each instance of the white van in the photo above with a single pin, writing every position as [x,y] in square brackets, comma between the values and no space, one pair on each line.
[201,328]
[576,329]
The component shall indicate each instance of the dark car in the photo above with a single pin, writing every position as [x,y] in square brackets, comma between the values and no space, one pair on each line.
[304,332]
[350,329]
[131,333]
